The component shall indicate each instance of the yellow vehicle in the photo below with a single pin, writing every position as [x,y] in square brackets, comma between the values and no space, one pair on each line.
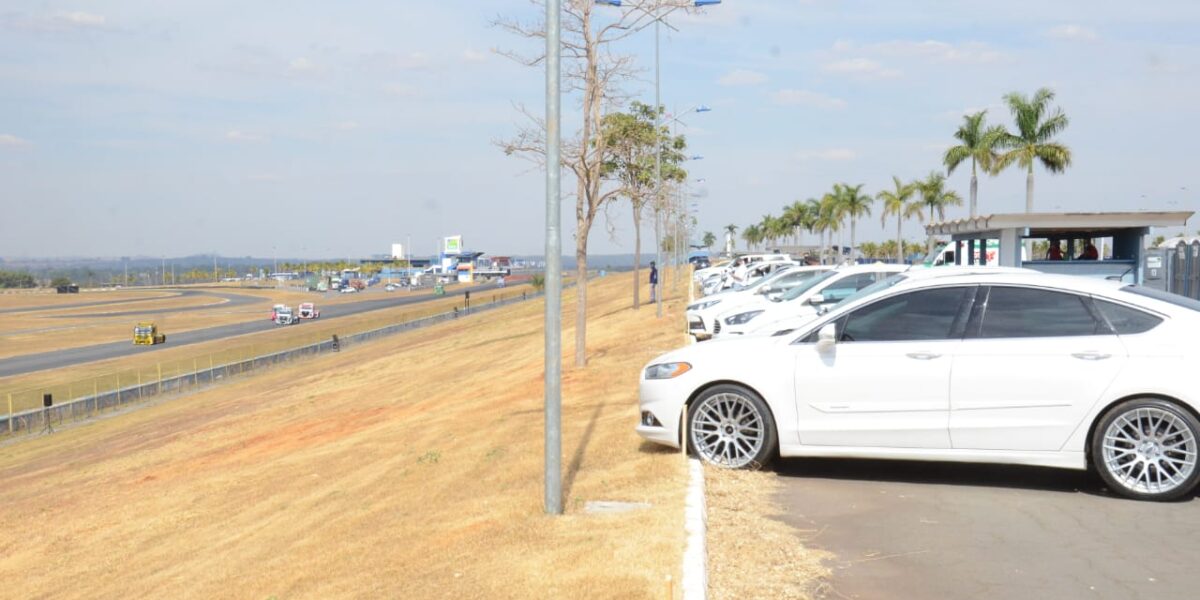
[146,334]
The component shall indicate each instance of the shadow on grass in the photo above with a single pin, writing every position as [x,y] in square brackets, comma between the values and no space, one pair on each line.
[580,450]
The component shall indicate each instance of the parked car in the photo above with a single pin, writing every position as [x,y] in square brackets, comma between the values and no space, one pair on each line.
[1020,368]
[701,315]
[803,301]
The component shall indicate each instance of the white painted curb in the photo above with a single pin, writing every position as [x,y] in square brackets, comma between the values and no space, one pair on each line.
[695,556]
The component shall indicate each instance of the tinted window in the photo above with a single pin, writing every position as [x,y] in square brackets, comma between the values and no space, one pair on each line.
[1014,312]
[923,315]
[846,286]
[1126,320]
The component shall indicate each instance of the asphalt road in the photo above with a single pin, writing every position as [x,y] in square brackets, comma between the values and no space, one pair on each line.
[231,300]
[903,530]
[57,359]
[178,293]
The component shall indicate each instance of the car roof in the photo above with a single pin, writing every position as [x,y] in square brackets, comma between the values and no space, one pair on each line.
[872,268]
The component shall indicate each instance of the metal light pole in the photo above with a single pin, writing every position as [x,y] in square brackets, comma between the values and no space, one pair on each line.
[553,283]
[658,292]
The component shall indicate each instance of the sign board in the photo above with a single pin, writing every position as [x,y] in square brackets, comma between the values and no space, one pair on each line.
[452,245]
[1153,262]
[397,250]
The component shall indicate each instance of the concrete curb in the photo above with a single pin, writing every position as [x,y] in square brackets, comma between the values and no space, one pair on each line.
[695,556]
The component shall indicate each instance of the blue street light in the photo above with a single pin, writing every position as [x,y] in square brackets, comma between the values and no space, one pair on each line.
[609,2]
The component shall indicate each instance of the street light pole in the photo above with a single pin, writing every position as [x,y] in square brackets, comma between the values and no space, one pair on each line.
[553,309]
[658,292]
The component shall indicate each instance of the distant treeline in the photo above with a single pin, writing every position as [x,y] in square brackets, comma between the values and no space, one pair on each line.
[16,279]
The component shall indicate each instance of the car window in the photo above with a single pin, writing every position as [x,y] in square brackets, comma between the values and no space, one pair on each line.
[1016,312]
[799,290]
[888,280]
[847,286]
[1126,320]
[921,315]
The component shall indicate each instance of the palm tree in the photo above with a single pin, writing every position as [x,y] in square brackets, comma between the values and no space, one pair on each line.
[897,202]
[812,215]
[731,231]
[752,236]
[709,239]
[935,195]
[829,220]
[778,229]
[979,144]
[1034,139]
[854,204]
[796,214]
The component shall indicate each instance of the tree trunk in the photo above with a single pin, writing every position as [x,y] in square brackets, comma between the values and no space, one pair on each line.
[637,255]
[581,293]
[1029,191]
[929,243]
[853,222]
[974,190]
[899,239]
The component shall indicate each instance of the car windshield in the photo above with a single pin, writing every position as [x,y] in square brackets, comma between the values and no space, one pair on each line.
[882,284]
[799,290]
[758,282]
[1169,298]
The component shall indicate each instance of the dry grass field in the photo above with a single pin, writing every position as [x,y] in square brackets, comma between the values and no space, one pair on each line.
[410,467]
[15,299]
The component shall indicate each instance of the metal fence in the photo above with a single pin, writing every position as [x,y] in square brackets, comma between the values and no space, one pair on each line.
[1175,269]
[100,393]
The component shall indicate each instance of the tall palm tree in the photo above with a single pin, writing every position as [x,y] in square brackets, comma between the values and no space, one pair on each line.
[829,220]
[935,195]
[731,231]
[778,228]
[1034,141]
[978,143]
[752,236]
[795,215]
[898,202]
[812,215]
[854,204]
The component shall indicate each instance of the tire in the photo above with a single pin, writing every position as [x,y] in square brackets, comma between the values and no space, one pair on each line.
[1139,442]
[730,426]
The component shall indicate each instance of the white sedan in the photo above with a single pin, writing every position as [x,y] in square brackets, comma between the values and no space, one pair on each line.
[802,302]
[701,314]
[1020,368]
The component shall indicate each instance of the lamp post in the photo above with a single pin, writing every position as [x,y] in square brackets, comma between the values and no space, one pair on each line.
[658,17]
[552,315]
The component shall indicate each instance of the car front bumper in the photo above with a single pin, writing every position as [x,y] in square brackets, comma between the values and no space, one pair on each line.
[660,405]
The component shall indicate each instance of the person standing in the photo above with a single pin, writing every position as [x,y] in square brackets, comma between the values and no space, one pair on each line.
[653,282]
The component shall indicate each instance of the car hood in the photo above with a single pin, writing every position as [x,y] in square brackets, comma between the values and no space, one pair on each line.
[717,351]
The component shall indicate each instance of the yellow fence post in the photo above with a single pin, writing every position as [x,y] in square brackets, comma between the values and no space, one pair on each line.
[195,372]
[160,379]
[10,413]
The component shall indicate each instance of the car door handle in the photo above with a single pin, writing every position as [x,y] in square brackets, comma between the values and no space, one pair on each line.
[923,355]
[1090,355]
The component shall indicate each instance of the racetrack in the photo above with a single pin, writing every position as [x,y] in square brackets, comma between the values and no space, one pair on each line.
[28,363]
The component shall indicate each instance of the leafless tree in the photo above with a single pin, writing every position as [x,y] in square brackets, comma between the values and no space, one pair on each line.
[595,72]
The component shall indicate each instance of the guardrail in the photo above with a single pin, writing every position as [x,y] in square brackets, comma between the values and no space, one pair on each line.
[207,372]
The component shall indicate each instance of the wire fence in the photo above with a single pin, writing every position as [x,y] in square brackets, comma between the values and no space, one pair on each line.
[88,397]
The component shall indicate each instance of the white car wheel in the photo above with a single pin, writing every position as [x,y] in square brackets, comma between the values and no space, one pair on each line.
[730,426]
[1147,449]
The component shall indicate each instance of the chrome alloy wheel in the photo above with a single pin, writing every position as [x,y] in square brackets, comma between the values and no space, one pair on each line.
[727,430]
[1149,450]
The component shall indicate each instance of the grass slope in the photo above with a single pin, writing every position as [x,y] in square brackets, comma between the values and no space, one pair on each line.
[411,468]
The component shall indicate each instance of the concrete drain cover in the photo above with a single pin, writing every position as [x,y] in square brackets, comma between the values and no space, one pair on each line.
[611,507]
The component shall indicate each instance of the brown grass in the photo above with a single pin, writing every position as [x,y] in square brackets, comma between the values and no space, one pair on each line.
[750,553]
[406,468]
[85,379]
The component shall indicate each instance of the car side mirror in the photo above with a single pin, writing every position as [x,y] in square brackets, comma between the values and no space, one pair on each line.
[827,336]
[816,300]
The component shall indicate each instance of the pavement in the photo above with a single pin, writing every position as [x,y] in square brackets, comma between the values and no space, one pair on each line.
[903,530]
[56,359]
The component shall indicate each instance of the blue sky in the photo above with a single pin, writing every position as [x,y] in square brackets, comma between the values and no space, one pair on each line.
[141,127]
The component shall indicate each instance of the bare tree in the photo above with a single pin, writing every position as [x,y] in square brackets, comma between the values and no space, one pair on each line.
[593,70]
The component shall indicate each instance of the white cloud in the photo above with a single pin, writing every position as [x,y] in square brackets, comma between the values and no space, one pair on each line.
[400,90]
[807,98]
[303,66]
[739,77]
[390,61]
[235,135]
[860,67]
[346,126]
[8,139]
[1073,33]
[472,55]
[80,19]
[828,154]
[928,50]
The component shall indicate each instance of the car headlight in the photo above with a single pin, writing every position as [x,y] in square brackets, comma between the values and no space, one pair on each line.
[742,318]
[667,370]
[704,305]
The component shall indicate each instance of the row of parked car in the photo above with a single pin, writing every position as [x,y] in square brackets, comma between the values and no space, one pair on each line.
[968,364]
